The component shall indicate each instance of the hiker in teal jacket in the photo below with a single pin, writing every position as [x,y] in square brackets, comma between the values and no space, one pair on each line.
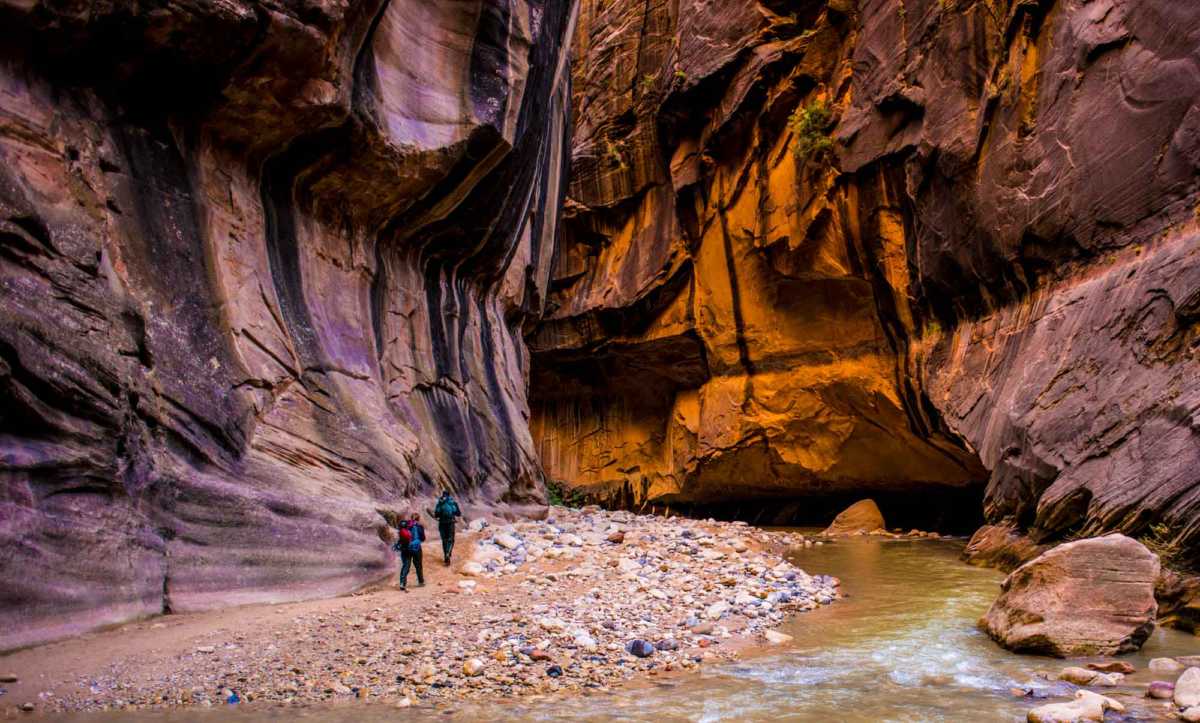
[445,512]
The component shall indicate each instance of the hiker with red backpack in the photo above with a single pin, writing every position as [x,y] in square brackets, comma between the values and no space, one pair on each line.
[412,534]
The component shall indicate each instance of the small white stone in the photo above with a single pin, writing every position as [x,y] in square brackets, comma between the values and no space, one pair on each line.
[774,637]
[473,667]
[507,541]
[716,610]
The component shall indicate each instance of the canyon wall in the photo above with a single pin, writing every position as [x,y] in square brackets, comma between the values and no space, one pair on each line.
[264,268]
[897,245]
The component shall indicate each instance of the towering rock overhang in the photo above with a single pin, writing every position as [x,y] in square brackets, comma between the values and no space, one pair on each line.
[729,318]
[983,266]
[263,272]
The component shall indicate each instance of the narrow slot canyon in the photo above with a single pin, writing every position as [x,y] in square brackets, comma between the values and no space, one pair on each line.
[652,291]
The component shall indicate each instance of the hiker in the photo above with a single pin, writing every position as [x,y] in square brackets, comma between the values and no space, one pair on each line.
[412,534]
[445,512]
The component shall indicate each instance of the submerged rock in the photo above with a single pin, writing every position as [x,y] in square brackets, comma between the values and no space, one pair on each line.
[862,516]
[1165,665]
[1090,597]
[1078,676]
[1160,689]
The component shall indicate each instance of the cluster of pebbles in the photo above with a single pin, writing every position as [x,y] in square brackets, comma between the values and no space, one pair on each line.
[1159,699]
[584,599]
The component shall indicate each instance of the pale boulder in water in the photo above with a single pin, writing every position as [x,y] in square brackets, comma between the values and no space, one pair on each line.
[1187,688]
[1090,597]
[862,516]
[1087,706]
[1165,665]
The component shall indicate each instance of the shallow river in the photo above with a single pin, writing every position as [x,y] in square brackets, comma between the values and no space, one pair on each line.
[902,647]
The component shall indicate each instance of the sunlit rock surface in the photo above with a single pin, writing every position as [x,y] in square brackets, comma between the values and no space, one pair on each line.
[727,318]
[991,275]
[263,271]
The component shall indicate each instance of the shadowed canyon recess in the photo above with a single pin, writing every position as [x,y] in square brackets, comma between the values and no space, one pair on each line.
[270,270]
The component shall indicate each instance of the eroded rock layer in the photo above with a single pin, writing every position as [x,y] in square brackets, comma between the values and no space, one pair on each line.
[263,269]
[729,316]
[902,245]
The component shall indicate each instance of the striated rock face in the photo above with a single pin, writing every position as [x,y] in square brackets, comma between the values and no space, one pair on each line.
[263,271]
[727,319]
[1000,546]
[1089,597]
[1072,370]
[883,245]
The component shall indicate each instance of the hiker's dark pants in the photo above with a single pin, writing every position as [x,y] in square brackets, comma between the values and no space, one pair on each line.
[410,559]
[446,530]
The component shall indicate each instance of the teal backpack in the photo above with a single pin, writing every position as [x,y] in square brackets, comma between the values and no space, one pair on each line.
[446,508]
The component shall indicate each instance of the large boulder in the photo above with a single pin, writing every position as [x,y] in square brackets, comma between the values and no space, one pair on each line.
[862,516]
[1090,597]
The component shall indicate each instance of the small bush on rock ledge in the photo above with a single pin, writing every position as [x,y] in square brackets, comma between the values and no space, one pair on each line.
[1162,541]
[811,123]
[560,495]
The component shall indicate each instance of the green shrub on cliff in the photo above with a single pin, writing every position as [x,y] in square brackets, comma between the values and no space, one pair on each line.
[561,495]
[811,123]
[1162,541]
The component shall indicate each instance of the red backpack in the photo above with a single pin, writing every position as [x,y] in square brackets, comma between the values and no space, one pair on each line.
[405,539]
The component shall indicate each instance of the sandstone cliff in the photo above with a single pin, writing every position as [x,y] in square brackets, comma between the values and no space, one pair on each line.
[263,271]
[888,244]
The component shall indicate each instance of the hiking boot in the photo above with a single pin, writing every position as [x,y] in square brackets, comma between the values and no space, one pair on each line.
[404,588]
